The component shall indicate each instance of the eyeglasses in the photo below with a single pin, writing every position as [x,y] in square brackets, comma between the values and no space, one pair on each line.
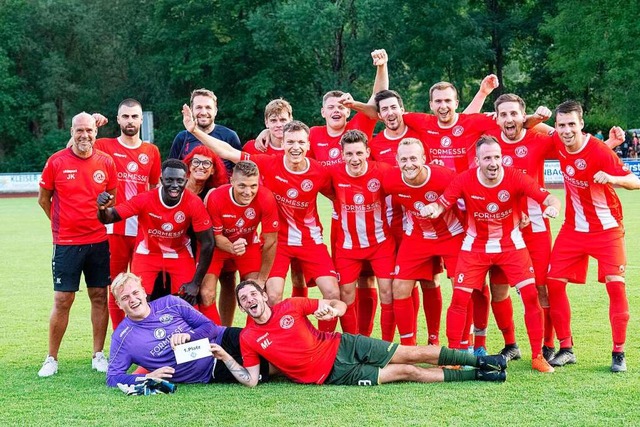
[204,163]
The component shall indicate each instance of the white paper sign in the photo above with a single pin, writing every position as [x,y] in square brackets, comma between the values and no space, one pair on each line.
[193,350]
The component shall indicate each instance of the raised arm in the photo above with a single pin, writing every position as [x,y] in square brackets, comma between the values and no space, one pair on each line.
[488,84]
[541,115]
[218,146]
[380,60]
[616,137]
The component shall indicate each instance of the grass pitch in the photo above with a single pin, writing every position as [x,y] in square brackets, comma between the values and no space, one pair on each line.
[582,394]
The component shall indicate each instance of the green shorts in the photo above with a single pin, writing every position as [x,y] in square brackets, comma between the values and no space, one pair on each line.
[359,360]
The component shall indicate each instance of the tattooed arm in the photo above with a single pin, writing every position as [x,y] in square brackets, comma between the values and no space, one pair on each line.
[247,376]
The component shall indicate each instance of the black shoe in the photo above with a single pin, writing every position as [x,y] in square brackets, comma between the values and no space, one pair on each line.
[496,362]
[548,352]
[511,352]
[564,357]
[498,376]
[618,362]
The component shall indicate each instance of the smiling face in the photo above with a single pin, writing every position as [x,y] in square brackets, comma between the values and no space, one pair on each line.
[443,104]
[173,182]
[335,114]
[411,160]
[569,127]
[391,113]
[132,299]
[200,167]
[83,131]
[204,110]
[511,119]
[355,157]
[254,302]
[489,161]
[244,188]
[296,145]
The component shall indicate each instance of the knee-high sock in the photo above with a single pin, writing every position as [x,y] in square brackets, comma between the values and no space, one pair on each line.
[467,338]
[349,320]
[618,313]
[115,313]
[300,292]
[549,335]
[387,322]
[367,304]
[480,317]
[327,325]
[415,296]
[503,312]
[432,306]
[403,312]
[560,311]
[210,312]
[533,318]
[456,317]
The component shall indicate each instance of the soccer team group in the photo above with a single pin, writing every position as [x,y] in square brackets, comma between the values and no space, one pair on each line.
[456,192]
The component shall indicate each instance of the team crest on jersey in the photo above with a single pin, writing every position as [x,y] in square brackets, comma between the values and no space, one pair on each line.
[286,322]
[179,217]
[159,333]
[143,159]
[507,161]
[457,130]
[334,153]
[431,196]
[373,185]
[250,213]
[358,199]
[492,207]
[166,319]
[306,185]
[570,170]
[292,193]
[521,151]
[581,164]
[418,205]
[240,223]
[503,195]
[167,226]
[445,141]
[132,167]
[99,176]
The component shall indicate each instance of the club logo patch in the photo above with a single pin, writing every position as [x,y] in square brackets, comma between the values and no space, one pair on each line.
[358,199]
[431,196]
[521,151]
[581,164]
[418,205]
[166,319]
[507,161]
[373,185]
[167,226]
[292,193]
[445,141]
[159,333]
[179,217]
[143,159]
[240,223]
[492,207]
[306,185]
[457,130]
[250,213]
[570,170]
[132,167]
[99,176]
[334,153]
[286,322]
[503,195]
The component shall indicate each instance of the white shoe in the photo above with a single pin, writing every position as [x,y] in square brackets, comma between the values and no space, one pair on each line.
[49,367]
[100,362]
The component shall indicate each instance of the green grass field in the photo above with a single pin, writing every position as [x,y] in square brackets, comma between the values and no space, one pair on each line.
[582,394]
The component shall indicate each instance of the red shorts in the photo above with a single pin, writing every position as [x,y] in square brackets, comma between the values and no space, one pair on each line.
[366,268]
[249,262]
[313,259]
[472,268]
[539,247]
[121,249]
[350,262]
[181,270]
[571,251]
[422,259]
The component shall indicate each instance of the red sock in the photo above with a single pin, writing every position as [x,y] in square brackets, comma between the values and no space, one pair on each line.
[403,312]
[327,325]
[415,296]
[349,320]
[467,338]
[503,312]
[560,311]
[115,312]
[432,306]
[300,292]
[618,314]
[456,317]
[387,322]
[549,336]
[533,318]
[210,312]
[480,317]
[367,304]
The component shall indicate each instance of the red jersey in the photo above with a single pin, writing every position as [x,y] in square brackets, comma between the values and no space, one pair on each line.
[163,229]
[493,213]
[76,183]
[291,343]
[250,147]
[590,206]
[296,194]
[384,148]
[359,203]
[138,170]
[327,149]
[528,156]
[412,199]
[455,145]
[236,221]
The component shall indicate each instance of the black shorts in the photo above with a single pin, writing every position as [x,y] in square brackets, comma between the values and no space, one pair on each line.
[231,344]
[69,261]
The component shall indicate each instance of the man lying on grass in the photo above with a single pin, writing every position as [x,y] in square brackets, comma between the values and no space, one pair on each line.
[150,332]
[284,336]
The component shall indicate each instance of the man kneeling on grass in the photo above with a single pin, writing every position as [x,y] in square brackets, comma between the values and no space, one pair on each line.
[284,336]
[150,332]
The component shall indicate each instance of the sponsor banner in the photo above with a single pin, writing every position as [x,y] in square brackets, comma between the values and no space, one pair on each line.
[552,173]
[19,183]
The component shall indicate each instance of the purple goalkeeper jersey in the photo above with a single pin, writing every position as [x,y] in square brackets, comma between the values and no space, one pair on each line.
[146,343]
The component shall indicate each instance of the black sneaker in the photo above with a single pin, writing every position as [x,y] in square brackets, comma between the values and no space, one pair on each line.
[498,376]
[618,362]
[497,362]
[564,357]
[548,352]
[511,352]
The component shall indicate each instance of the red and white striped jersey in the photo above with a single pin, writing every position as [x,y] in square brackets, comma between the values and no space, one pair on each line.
[493,213]
[138,170]
[590,206]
